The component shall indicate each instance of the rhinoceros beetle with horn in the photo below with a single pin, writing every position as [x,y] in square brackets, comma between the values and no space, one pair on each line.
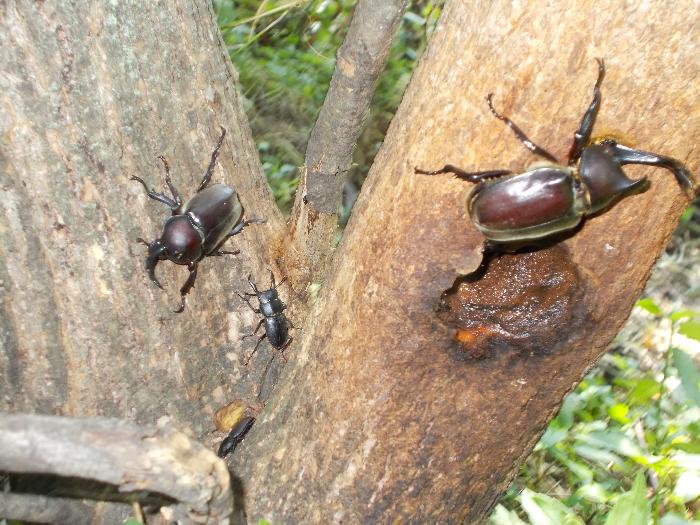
[198,228]
[516,209]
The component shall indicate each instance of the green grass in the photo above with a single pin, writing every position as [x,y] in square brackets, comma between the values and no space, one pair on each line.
[285,71]
[625,445]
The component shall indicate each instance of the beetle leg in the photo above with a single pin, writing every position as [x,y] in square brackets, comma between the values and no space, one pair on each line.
[212,162]
[160,197]
[189,283]
[248,302]
[219,253]
[284,347]
[537,150]
[255,332]
[583,133]
[463,175]
[625,155]
[173,189]
[238,228]
[255,349]
[252,285]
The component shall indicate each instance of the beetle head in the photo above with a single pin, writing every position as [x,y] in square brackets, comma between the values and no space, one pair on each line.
[267,296]
[602,175]
[182,242]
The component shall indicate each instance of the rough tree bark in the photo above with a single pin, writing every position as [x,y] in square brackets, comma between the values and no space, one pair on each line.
[92,93]
[379,415]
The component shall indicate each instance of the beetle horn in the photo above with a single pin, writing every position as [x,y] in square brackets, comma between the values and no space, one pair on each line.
[625,155]
[156,252]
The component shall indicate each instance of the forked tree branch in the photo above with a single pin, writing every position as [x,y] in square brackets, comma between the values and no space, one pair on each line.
[360,61]
[398,406]
[133,458]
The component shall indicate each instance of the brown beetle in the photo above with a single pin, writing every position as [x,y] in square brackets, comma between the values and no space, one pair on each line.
[517,209]
[197,229]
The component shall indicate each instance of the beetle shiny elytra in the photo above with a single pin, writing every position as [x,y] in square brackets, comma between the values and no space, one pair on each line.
[520,209]
[234,437]
[197,229]
[272,309]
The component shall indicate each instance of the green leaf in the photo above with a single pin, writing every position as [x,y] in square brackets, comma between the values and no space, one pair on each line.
[645,389]
[650,306]
[631,508]
[602,457]
[688,373]
[674,519]
[612,440]
[594,492]
[690,329]
[414,18]
[571,404]
[687,461]
[581,471]
[687,486]
[619,413]
[551,437]
[132,521]
[683,314]
[692,447]
[544,510]
[503,516]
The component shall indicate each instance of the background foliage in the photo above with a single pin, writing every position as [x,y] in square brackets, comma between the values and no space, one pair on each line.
[284,52]
[625,446]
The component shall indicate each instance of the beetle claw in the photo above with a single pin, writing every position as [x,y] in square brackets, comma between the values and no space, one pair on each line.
[181,308]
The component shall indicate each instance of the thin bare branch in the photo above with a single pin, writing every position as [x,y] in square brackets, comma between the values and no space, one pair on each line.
[359,62]
[133,458]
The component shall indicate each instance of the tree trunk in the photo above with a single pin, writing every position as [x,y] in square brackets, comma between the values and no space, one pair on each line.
[92,93]
[380,415]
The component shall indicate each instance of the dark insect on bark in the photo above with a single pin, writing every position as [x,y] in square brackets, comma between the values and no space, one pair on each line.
[519,209]
[198,228]
[272,309]
[236,435]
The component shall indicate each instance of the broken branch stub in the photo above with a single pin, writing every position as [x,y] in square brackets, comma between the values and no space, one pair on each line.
[133,458]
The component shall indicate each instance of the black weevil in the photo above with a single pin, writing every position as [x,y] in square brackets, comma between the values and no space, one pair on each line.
[272,308]
[234,437]
[516,209]
[197,229]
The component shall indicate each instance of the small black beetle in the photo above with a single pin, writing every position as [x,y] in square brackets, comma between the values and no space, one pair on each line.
[272,308]
[515,209]
[197,229]
[234,437]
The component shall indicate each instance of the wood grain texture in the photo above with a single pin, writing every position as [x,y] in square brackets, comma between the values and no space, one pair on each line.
[378,419]
[90,94]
